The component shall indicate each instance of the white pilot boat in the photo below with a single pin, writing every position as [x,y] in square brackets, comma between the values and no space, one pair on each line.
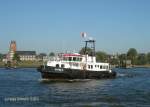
[76,66]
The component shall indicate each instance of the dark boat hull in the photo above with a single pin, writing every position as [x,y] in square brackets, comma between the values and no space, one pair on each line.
[63,73]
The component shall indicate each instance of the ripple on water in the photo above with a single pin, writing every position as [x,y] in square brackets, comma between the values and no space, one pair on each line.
[129,89]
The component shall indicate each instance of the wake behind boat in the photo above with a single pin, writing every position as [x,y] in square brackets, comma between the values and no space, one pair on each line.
[76,66]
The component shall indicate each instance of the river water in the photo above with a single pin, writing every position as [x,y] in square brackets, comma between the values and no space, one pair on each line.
[25,88]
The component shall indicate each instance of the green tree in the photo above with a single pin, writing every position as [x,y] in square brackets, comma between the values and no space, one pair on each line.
[8,64]
[141,59]
[148,57]
[114,61]
[1,57]
[122,59]
[101,56]
[51,54]
[88,51]
[132,54]
[16,57]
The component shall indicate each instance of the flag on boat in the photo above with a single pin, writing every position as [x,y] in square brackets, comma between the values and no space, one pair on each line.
[83,34]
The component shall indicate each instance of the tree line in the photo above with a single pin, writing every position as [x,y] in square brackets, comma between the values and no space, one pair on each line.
[131,56]
[135,57]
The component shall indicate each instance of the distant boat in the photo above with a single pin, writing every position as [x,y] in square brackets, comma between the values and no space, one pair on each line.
[76,66]
[8,65]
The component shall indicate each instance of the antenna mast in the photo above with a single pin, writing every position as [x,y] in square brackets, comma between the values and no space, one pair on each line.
[91,42]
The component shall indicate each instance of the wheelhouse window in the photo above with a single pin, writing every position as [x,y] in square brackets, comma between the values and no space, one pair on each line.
[74,58]
[77,59]
[70,58]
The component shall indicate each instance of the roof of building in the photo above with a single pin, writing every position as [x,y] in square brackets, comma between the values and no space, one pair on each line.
[42,54]
[26,52]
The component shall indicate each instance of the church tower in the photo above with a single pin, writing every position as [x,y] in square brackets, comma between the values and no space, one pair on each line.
[13,46]
[12,50]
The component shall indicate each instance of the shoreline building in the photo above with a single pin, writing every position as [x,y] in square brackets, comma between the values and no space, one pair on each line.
[27,55]
[24,55]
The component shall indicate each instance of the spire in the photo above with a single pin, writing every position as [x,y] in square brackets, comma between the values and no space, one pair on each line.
[13,46]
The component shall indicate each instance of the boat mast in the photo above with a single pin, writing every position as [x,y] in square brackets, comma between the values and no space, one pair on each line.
[92,47]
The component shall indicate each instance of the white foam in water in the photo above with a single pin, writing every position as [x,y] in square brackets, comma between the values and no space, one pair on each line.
[121,75]
[64,80]
[76,80]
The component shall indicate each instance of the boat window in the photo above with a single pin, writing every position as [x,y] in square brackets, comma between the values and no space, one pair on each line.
[101,67]
[98,66]
[70,58]
[62,65]
[95,66]
[57,65]
[80,59]
[74,58]
[89,66]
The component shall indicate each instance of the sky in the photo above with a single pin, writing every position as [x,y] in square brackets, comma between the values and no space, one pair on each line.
[55,25]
